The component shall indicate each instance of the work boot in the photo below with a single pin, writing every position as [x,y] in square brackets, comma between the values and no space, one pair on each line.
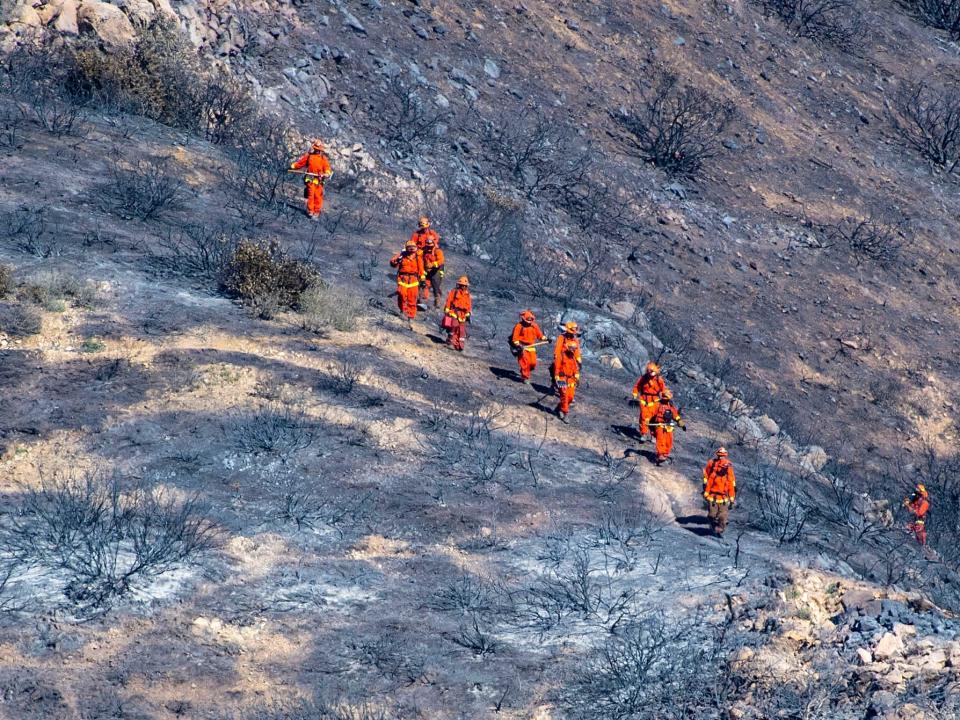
[644,439]
[562,416]
[421,307]
[525,381]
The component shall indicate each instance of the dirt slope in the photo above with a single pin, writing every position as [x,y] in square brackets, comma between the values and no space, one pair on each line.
[413,585]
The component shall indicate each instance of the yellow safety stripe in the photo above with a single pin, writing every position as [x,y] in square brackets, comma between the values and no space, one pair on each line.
[408,285]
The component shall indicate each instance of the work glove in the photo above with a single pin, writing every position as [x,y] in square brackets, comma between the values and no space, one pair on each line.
[683,427]
[423,283]
[440,274]
[636,396]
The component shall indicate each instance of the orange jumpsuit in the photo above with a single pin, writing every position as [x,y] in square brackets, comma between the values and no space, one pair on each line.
[719,490]
[919,506]
[410,273]
[319,165]
[420,236]
[567,376]
[433,262]
[525,334]
[648,389]
[665,420]
[458,307]
[559,348]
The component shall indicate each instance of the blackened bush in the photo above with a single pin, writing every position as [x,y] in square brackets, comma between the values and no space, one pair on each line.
[198,250]
[927,119]
[676,128]
[879,237]
[262,276]
[145,190]
[941,14]
[19,321]
[783,508]
[6,280]
[837,22]
[104,538]
[410,122]
[482,221]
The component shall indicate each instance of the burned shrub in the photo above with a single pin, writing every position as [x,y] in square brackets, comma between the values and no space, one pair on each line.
[783,509]
[20,321]
[262,276]
[410,123]
[6,280]
[927,119]
[30,231]
[482,222]
[649,670]
[836,22]
[101,539]
[198,250]
[677,128]
[144,190]
[879,237]
[278,430]
[940,14]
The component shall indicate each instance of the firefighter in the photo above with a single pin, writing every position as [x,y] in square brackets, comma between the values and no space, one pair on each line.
[433,265]
[567,377]
[456,312]
[571,333]
[410,274]
[919,505]
[647,390]
[424,232]
[719,490]
[523,344]
[665,420]
[317,169]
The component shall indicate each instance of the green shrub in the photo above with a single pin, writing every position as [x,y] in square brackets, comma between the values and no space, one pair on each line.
[323,307]
[263,277]
[92,345]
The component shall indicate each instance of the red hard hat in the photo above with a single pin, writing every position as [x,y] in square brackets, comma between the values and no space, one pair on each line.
[722,452]
[653,368]
[318,144]
[527,315]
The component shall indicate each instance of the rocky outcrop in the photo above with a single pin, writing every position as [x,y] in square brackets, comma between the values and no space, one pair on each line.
[108,23]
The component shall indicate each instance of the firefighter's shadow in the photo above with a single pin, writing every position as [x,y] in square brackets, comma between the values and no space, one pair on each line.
[502,374]
[697,524]
[629,432]
[436,339]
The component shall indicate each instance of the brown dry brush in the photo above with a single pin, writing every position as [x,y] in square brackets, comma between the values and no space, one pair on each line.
[263,277]
[926,118]
[676,127]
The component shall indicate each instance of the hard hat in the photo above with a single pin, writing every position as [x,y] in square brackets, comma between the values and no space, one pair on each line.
[922,489]
[463,280]
[318,144]
[653,368]
[411,245]
[571,327]
[722,452]
[666,394]
[424,221]
[527,315]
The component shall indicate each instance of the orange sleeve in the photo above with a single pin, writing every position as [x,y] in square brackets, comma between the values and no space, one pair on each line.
[395,260]
[539,333]
[636,385]
[420,271]
[733,482]
[301,163]
[515,335]
[446,308]
[440,256]
[325,166]
[469,302]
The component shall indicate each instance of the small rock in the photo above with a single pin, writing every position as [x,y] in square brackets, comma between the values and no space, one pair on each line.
[677,189]
[441,101]
[727,220]
[679,42]
[351,21]
[761,137]
[29,17]
[491,69]
[730,144]
[107,22]
[421,32]
[768,425]
[66,22]
[813,458]
[904,631]
[888,646]
[864,656]
[611,361]
[622,309]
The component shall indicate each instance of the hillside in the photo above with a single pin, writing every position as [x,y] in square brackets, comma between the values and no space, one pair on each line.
[387,529]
